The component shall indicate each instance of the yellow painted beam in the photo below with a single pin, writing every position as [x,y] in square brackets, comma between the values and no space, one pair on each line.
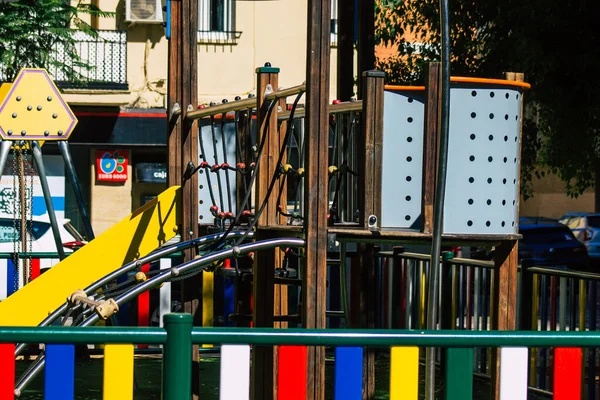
[208,295]
[4,89]
[135,236]
[404,373]
[118,372]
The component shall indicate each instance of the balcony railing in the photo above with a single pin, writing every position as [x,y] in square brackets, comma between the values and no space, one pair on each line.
[105,54]
[104,60]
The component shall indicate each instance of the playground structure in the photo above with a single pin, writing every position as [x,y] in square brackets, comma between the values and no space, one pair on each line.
[264,194]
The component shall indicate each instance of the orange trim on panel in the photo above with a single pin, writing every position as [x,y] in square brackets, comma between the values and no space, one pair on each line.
[463,79]
[399,88]
[504,82]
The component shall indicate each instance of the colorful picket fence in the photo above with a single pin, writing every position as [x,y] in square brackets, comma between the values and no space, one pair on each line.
[236,343]
[9,276]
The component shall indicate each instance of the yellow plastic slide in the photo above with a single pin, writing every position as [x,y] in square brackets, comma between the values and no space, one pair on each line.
[135,236]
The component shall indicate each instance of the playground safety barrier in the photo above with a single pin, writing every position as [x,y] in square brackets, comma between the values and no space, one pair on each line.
[178,336]
[548,299]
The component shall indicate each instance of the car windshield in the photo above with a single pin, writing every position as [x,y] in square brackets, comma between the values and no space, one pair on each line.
[594,222]
[10,230]
[547,236]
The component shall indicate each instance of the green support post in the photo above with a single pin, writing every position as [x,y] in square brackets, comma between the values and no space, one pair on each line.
[526,297]
[445,314]
[459,374]
[177,357]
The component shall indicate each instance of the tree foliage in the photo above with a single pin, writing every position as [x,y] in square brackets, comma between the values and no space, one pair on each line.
[39,34]
[555,44]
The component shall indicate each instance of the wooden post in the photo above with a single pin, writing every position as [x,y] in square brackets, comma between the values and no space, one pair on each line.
[174,96]
[315,187]
[263,357]
[369,188]
[345,50]
[433,116]
[505,276]
[367,304]
[281,291]
[183,138]
[366,42]
[370,148]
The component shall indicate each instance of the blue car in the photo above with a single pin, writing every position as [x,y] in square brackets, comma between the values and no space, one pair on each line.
[549,243]
[586,228]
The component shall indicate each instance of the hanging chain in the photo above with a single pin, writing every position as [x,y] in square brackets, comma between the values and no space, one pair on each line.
[16,229]
[29,174]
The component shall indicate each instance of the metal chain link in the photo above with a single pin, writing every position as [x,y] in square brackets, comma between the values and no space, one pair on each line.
[15,254]
[29,209]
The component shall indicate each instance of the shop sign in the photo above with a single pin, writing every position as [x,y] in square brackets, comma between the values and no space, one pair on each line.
[151,173]
[111,165]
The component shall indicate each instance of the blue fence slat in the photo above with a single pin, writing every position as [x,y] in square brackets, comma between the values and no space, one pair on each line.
[348,373]
[59,379]
[10,278]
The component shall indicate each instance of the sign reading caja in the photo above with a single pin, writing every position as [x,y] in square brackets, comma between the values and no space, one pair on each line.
[111,165]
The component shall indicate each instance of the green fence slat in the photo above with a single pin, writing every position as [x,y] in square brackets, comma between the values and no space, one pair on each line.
[459,374]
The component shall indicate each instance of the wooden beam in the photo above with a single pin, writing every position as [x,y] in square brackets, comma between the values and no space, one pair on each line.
[315,186]
[431,132]
[367,304]
[183,140]
[366,41]
[345,50]
[281,291]
[174,96]
[189,133]
[263,357]
[505,274]
[370,160]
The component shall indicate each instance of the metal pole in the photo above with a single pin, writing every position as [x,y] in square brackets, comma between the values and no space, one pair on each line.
[4,151]
[177,362]
[63,146]
[39,164]
[438,211]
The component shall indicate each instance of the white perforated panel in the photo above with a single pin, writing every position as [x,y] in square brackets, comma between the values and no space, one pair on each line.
[483,161]
[402,159]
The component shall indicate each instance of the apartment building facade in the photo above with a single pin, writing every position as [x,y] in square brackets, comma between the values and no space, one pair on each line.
[121,103]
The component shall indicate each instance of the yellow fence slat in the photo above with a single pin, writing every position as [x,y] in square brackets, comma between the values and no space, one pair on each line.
[404,373]
[118,372]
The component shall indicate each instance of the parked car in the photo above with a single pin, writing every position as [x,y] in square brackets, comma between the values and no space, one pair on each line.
[42,237]
[586,228]
[548,243]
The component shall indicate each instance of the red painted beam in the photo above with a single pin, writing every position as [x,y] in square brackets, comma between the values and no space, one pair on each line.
[567,374]
[291,373]
[144,307]
[7,366]
[35,268]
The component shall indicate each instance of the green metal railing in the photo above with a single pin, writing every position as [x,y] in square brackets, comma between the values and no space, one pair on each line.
[178,336]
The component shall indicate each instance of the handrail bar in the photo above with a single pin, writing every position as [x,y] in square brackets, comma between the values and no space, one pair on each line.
[224,108]
[308,337]
[469,262]
[563,273]
[346,106]
[282,93]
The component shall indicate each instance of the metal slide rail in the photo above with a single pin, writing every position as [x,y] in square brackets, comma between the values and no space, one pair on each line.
[178,336]
[182,271]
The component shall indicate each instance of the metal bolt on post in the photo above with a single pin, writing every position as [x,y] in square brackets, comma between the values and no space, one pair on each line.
[177,357]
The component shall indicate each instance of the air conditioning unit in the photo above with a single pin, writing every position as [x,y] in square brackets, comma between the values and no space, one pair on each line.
[144,11]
